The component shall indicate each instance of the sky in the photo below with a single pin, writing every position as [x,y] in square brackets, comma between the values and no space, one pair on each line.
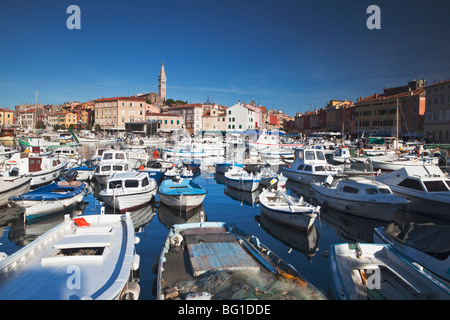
[291,55]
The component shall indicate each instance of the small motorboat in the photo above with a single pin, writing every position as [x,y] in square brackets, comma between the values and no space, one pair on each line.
[368,271]
[53,198]
[271,178]
[287,210]
[12,188]
[181,193]
[224,166]
[90,257]
[217,261]
[426,243]
[359,196]
[240,179]
[128,190]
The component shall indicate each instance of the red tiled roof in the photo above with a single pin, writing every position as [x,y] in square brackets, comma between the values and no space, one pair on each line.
[438,83]
[120,98]
[380,96]
[162,114]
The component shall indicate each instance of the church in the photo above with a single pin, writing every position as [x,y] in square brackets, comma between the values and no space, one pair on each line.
[158,99]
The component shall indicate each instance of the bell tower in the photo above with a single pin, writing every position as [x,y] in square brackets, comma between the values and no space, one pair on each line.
[162,83]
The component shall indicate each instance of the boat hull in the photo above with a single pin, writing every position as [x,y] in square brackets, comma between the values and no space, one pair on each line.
[247,185]
[13,188]
[125,202]
[296,220]
[182,201]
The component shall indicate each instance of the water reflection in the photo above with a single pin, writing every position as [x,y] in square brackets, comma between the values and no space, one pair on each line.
[301,241]
[243,197]
[169,216]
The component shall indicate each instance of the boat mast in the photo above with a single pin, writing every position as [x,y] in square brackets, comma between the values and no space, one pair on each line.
[396,132]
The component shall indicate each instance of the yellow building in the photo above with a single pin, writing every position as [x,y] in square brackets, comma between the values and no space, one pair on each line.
[67,118]
[6,117]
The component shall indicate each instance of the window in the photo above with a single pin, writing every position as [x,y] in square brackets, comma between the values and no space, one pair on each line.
[435,186]
[371,191]
[384,190]
[309,155]
[320,168]
[320,155]
[115,184]
[300,167]
[131,183]
[350,189]
[308,168]
[145,181]
[411,184]
[117,168]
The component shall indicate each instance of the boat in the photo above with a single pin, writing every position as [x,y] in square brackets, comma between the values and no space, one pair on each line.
[289,211]
[368,271]
[52,198]
[427,187]
[178,172]
[224,166]
[12,188]
[137,158]
[90,257]
[181,193]
[240,179]
[217,261]
[269,178]
[84,172]
[425,243]
[269,146]
[6,152]
[128,190]
[393,162]
[7,135]
[154,169]
[42,170]
[359,196]
[111,161]
[309,166]
[341,155]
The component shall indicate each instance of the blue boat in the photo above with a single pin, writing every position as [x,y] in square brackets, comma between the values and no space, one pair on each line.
[222,167]
[49,199]
[181,193]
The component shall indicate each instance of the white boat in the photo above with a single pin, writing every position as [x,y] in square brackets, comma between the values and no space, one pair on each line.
[377,271]
[52,198]
[269,146]
[12,188]
[359,196]
[183,194]
[393,162]
[88,257]
[137,158]
[240,179]
[287,210]
[178,172]
[216,260]
[427,187]
[341,155]
[112,161]
[271,178]
[6,152]
[425,243]
[42,170]
[128,190]
[309,166]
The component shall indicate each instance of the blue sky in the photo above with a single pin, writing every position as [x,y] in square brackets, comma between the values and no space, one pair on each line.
[291,55]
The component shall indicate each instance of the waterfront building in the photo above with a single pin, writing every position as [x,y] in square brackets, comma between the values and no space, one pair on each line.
[192,114]
[240,118]
[377,113]
[214,118]
[334,112]
[165,122]
[6,117]
[112,113]
[437,114]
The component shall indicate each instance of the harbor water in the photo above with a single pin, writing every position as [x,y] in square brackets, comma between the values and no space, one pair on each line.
[307,252]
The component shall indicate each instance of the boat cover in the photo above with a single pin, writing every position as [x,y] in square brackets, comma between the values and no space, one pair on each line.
[426,237]
[52,191]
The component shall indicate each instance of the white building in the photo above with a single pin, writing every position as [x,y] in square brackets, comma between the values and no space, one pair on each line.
[240,118]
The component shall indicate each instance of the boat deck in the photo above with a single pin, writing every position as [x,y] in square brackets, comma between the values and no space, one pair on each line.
[215,261]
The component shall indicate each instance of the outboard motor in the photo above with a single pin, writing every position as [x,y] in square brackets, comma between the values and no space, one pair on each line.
[71,175]
[14,172]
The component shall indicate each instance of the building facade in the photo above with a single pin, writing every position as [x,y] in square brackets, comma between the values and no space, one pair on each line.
[239,118]
[377,114]
[6,117]
[437,114]
[162,83]
[214,118]
[192,114]
[167,122]
[113,113]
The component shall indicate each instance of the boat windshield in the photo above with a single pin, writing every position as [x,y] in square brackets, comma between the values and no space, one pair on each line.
[309,155]
[115,184]
[320,155]
[435,186]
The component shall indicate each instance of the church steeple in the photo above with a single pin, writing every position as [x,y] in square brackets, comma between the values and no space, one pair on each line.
[162,83]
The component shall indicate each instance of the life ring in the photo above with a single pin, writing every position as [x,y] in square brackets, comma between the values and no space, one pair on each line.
[176,239]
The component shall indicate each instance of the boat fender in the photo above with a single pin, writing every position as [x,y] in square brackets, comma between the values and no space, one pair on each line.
[176,239]
[137,240]
[136,261]
[131,291]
